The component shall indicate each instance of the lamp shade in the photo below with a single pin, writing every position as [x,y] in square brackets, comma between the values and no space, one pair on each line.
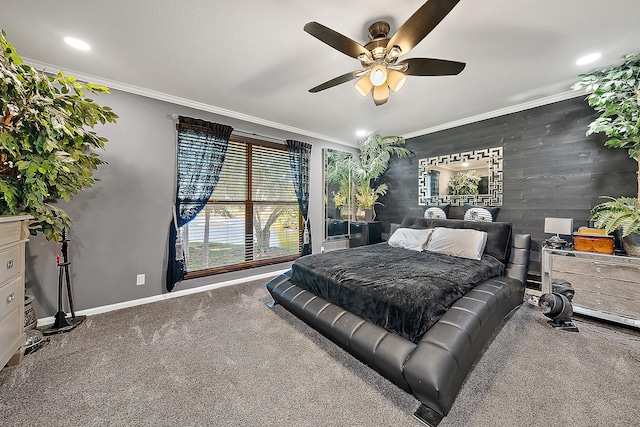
[396,80]
[363,86]
[558,226]
[380,94]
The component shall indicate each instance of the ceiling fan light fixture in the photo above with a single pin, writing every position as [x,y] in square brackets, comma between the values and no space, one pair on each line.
[393,53]
[380,94]
[396,80]
[378,74]
[363,86]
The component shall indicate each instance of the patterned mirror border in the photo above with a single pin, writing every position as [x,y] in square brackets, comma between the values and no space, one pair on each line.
[493,198]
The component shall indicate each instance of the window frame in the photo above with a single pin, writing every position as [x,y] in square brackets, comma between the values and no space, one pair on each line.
[249,204]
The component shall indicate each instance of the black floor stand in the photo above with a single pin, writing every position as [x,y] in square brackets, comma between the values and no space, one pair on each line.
[63,323]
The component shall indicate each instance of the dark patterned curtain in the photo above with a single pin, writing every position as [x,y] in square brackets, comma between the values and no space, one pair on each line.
[202,147]
[299,154]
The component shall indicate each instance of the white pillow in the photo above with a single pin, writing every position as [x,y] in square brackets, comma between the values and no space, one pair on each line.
[410,238]
[459,242]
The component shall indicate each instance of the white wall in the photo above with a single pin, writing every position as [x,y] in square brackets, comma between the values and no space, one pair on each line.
[121,224]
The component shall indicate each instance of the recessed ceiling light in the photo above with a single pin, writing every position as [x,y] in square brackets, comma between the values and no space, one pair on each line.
[587,59]
[78,44]
[361,132]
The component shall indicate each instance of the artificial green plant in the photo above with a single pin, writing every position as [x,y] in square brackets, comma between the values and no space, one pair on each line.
[614,92]
[45,145]
[464,183]
[375,153]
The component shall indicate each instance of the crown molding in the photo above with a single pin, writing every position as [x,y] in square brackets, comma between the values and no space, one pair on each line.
[496,113]
[160,96]
[137,90]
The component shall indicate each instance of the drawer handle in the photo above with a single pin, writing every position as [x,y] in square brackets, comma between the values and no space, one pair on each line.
[9,264]
[11,297]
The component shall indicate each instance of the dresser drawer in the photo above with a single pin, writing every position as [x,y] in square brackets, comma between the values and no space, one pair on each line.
[11,335]
[600,285]
[11,296]
[589,267]
[10,263]
[9,232]
[613,304]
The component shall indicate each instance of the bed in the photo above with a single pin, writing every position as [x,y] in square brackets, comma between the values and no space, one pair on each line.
[418,317]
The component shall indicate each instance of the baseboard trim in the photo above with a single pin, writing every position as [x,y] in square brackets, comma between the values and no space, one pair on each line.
[126,304]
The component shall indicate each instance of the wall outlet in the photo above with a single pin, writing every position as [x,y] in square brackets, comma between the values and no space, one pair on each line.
[140,279]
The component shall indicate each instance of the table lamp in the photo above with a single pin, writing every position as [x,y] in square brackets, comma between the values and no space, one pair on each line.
[557,226]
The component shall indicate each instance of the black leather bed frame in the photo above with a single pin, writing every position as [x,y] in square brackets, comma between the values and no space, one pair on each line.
[434,369]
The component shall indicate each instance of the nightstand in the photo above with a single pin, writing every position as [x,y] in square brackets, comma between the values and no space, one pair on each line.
[365,233]
[606,286]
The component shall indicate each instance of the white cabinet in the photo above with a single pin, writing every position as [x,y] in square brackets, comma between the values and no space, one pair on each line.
[606,286]
[13,236]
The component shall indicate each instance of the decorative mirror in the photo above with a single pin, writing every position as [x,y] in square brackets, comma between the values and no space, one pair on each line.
[473,177]
[337,194]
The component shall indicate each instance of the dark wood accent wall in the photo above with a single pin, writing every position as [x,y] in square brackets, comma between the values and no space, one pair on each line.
[551,169]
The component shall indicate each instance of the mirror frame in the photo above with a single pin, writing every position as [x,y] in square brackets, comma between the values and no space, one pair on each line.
[494,158]
[327,237]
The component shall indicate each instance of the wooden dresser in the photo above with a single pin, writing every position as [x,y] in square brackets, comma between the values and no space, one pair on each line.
[606,286]
[13,236]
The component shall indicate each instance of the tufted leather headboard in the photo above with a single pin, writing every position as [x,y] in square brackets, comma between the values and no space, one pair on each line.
[498,233]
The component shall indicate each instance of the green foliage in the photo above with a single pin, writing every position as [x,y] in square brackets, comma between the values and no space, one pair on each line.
[375,153]
[464,183]
[337,171]
[621,213]
[45,147]
[613,92]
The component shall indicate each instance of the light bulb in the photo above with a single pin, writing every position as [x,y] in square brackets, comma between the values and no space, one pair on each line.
[378,74]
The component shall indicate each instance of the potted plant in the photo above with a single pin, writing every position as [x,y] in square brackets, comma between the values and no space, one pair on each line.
[46,151]
[375,153]
[621,215]
[464,183]
[614,92]
[337,172]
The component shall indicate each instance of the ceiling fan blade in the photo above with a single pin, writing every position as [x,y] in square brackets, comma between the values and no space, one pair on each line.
[432,67]
[333,82]
[335,40]
[421,23]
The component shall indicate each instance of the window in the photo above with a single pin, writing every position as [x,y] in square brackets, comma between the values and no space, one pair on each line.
[252,217]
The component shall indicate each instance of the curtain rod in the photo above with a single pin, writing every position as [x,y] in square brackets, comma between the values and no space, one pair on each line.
[176,116]
[257,135]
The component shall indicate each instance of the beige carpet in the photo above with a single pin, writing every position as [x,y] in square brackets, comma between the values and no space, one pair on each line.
[223,358]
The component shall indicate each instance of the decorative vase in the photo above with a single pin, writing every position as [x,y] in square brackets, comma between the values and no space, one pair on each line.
[631,244]
[360,214]
[369,215]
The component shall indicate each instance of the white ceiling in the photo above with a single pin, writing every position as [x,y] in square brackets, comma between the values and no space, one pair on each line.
[251,58]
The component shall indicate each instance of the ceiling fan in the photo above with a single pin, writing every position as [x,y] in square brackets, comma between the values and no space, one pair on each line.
[379,58]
